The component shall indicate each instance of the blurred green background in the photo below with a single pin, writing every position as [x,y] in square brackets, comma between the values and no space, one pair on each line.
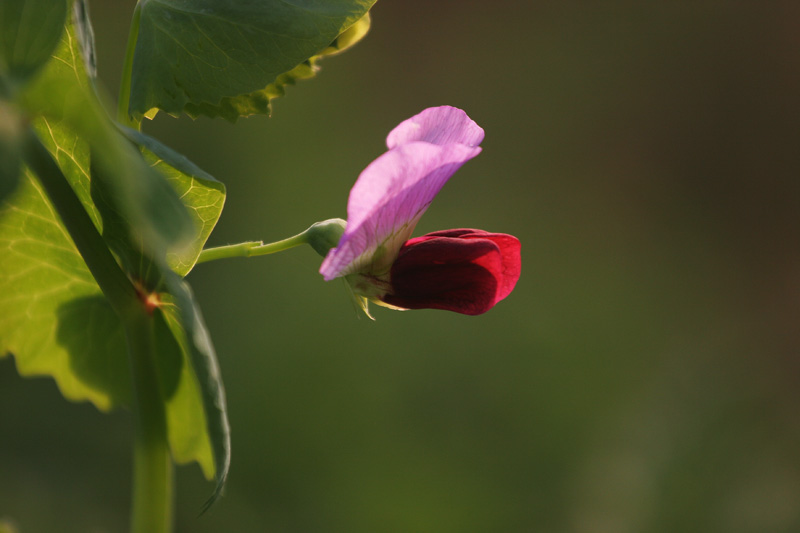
[644,375]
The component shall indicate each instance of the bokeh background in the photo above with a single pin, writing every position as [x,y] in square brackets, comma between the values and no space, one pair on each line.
[643,377]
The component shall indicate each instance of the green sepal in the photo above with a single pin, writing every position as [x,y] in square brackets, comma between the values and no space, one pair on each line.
[322,236]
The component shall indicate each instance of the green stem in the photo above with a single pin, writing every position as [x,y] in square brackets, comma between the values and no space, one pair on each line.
[152,497]
[127,72]
[251,249]
[321,236]
[152,463]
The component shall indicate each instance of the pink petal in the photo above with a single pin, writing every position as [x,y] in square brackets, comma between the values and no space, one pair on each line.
[393,192]
[437,125]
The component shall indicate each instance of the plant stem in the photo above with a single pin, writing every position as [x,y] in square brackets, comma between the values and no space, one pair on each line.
[321,236]
[152,464]
[251,249]
[152,494]
[127,73]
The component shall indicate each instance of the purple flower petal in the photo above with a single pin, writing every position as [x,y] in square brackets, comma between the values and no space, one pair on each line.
[386,202]
[437,125]
[393,192]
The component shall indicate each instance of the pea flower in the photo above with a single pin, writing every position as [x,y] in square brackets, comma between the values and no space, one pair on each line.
[463,270]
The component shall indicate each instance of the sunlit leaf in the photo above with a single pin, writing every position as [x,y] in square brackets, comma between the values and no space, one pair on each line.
[53,317]
[56,322]
[230,58]
[63,93]
[202,194]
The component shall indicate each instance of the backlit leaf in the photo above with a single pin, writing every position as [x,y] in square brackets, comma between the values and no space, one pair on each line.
[202,194]
[53,317]
[64,94]
[55,320]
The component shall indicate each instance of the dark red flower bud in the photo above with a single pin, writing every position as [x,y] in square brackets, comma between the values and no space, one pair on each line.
[463,270]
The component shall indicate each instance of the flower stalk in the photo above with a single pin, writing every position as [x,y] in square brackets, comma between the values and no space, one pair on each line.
[321,236]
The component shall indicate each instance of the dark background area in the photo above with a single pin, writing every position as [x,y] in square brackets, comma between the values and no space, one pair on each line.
[643,377]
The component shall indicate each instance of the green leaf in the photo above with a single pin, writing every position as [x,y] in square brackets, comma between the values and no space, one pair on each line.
[56,322]
[190,431]
[204,195]
[64,94]
[11,127]
[231,58]
[258,102]
[29,32]
[54,318]
[85,36]
[184,317]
